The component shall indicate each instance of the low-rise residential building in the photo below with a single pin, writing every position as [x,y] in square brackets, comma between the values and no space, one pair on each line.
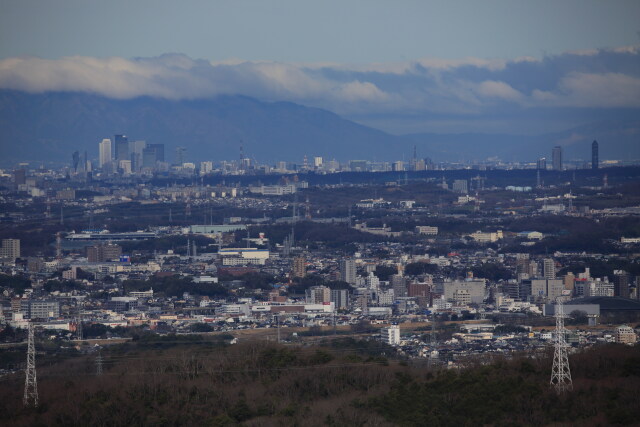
[626,335]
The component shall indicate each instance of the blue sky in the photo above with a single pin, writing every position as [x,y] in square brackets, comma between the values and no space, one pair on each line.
[404,66]
[344,31]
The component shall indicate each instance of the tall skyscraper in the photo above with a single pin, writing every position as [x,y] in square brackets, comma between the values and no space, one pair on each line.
[159,148]
[105,152]
[556,156]
[348,271]
[152,154]
[121,143]
[180,156]
[136,148]
[594,155]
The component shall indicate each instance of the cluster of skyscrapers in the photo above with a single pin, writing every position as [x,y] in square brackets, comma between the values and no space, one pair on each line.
[556,158]
[121,155]
[128,157]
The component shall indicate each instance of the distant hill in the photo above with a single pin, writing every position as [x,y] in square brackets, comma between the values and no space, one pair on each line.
[51,126]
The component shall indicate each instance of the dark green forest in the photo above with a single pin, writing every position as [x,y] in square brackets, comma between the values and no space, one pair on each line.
[174,380]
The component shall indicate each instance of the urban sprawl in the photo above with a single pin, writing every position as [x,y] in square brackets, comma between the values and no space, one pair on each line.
[440,261]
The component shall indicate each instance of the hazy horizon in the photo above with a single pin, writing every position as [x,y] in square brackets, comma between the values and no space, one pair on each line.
[445,67]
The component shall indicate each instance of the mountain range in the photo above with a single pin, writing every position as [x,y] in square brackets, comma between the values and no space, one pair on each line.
[51,126]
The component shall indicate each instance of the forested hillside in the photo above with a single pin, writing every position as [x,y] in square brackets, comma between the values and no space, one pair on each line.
[173,381]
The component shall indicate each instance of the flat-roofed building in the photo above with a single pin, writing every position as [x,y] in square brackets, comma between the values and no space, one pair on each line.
[10,248]
[391,335]
[626,335]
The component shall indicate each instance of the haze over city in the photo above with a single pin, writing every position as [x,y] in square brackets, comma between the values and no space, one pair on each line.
[319,213]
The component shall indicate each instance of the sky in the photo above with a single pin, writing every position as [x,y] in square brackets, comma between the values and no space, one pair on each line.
[344,31]
[403,66]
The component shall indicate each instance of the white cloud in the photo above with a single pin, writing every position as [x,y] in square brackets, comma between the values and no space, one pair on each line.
[601,90]
[596,79]
[362,91]
[495,89]
[448,64]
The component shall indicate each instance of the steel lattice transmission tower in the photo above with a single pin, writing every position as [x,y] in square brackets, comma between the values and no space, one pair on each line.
[433,354]
[99,363]
[560,373]
[79,331]
[30,382]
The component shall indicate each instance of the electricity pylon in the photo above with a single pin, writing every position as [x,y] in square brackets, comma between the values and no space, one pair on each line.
[560,373]
[99,363]
[79,331]
[30,382]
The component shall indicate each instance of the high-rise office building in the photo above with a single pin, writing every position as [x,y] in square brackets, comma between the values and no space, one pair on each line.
[594,155]
[121,143]
[105,152]
[549,268]
[523,266]
[348,271]
[180,155]
[621,280]
[149,157]
[152,154]
[556,156]
[340,298]
[159,148]
[136,148]
[399,285]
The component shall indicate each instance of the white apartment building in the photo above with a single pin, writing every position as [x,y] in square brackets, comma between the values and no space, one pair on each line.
[391,335]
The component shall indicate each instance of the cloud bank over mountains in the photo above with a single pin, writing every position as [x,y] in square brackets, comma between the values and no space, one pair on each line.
[470,89]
